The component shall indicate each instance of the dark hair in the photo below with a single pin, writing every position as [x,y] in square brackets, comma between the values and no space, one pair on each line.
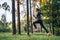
[38,9]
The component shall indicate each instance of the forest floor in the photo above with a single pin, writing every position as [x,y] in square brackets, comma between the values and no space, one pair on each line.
[24,36]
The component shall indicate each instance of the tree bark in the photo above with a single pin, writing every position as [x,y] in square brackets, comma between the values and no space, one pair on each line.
[27,17]
[13,17]
[18,8]
[31,18]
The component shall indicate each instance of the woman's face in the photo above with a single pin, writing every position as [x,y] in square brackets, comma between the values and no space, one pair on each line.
[36,11]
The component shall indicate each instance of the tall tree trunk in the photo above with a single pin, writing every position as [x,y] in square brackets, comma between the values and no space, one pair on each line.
[19,28]
[27,17]
[13,17]
[31,18]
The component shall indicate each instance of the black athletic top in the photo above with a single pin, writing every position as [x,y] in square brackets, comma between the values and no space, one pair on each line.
[38,16]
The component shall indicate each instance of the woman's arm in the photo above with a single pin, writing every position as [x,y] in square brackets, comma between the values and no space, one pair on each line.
[34,16]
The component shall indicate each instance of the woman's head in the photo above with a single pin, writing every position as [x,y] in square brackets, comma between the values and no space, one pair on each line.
[37,9]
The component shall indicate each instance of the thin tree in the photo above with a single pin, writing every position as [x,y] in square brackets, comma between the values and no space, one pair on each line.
[31,17]
[13,17]
[18,13]
[27,17]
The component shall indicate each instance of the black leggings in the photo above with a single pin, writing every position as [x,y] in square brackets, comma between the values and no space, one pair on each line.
[41,23]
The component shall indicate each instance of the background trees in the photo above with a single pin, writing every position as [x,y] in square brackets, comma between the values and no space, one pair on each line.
[51,10]
[6,7]
[56,15]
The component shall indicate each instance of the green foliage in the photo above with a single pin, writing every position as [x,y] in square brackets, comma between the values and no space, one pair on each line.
[46,13]
[55,9]
[52,10]
[2,27]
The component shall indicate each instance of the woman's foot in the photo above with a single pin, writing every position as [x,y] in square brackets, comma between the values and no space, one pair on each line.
[35,30]
[48,34]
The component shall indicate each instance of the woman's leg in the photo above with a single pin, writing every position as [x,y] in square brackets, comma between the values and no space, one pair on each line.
[34,23]
[41,23]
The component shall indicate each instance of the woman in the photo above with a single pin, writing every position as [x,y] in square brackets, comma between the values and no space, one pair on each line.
[39,20]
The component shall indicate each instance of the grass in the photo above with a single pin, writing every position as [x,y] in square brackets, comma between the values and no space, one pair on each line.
[35,36]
